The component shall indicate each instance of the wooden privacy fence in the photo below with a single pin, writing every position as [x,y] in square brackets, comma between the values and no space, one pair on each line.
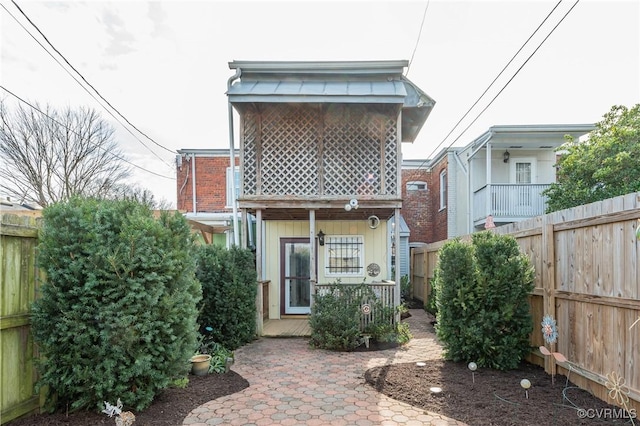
[18,272]
[587,277]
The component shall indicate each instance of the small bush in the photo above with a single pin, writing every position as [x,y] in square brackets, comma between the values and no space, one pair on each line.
[335,319]
[482,301]
[116,317]
[228,278]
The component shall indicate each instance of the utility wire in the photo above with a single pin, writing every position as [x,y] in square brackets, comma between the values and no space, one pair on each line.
[83,87]
[78,134]
[506,84]
[83,78]
[495,79]
[514,75]
[424,17]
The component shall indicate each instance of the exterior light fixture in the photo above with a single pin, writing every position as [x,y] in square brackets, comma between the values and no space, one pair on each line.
[321,238]
[505,156]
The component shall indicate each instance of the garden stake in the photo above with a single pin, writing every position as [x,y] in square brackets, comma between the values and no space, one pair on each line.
[473,367]
[526,384]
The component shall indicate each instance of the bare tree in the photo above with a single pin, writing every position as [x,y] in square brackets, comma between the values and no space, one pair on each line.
[65,153]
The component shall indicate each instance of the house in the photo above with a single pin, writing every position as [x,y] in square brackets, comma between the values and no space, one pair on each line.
[499,177]
[320,167]
[205,194]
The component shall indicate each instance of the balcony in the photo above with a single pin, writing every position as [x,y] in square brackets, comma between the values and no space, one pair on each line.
[508,202]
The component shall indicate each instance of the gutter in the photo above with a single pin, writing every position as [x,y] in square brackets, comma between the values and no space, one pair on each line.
[232,159]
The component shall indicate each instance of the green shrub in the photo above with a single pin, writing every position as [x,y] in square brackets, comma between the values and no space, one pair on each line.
[337,313]
[335,319]
[482,301]
[405,288]
[228,306]
[116,317]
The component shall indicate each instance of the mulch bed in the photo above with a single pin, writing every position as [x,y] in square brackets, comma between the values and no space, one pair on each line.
[168,409]
[495,399]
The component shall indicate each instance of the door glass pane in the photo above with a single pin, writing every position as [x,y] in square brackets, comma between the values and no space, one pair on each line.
[297,275]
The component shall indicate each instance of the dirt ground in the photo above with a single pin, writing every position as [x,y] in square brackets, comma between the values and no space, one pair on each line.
[494,399]
[488,398]
[169,409]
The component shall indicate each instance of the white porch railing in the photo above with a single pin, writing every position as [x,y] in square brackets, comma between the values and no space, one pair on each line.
[509,201]
[384,294]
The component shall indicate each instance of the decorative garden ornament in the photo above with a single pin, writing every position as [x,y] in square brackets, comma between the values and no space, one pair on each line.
[473,367]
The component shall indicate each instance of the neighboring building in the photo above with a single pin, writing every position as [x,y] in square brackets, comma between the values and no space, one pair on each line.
[501,174]
[320,150]
[204,190]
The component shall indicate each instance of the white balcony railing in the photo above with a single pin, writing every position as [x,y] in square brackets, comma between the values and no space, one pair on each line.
[509,202]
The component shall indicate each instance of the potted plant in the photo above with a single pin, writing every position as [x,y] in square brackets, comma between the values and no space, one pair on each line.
[200,364]
[201,361]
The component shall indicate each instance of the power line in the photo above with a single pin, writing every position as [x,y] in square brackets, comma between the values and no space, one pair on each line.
[81,76]
[424,17]
[496,78]
[76,133]
[507,83]
[84,88]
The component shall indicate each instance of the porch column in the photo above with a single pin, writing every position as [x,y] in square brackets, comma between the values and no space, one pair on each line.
[396,241]
[312,255]
[244,228]
[259,275]
[489,210]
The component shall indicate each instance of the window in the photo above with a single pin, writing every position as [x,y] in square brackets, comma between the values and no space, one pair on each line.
[416,186]
[443,189]
[344,255]
[231,197]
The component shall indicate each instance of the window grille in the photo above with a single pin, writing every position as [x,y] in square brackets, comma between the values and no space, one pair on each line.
[344,255]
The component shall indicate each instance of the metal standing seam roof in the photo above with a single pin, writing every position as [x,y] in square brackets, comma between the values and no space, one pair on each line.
[318,91]
[372,82]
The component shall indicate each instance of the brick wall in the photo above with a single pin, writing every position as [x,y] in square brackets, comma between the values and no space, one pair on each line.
[211,184]
[415,204]
[439,217]
[421,208]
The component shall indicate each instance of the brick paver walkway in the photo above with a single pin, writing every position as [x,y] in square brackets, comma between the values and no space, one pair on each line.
[293,384]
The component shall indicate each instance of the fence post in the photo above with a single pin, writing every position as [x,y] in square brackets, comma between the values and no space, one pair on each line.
[426,283]
[549,286]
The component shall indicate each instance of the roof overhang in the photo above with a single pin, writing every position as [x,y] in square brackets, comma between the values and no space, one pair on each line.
[361,82]
[532,134]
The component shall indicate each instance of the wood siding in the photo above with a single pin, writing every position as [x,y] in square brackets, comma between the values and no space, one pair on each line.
[376,250]
[587,277]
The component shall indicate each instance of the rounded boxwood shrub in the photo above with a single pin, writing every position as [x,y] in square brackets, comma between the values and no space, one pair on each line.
[482,301]
[228,278]
[116,316]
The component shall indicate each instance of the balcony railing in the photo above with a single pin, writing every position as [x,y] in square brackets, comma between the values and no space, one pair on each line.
[509,202]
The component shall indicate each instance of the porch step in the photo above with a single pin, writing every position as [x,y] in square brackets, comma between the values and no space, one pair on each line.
[286,327]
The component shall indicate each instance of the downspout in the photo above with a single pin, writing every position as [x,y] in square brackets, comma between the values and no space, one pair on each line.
[193,182]
[232,159]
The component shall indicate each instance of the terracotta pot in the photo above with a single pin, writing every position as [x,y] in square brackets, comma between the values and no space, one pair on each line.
[200,364]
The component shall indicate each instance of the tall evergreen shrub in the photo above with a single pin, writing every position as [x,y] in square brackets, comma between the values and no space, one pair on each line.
[228,306]
[482,300]
[117,313]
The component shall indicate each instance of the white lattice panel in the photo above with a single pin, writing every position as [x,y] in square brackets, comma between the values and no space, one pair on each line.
[287,148]
[250,133]
[290,146]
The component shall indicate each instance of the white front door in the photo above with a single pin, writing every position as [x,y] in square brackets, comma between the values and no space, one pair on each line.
[295,254]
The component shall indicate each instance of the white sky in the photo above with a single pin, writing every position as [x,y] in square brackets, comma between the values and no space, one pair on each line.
[164,64]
